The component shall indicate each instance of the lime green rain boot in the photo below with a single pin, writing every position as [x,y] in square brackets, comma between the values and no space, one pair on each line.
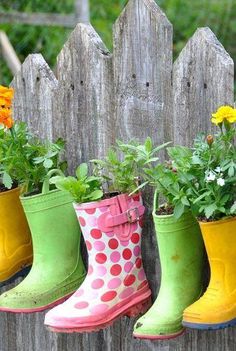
[57,269]
[181,255]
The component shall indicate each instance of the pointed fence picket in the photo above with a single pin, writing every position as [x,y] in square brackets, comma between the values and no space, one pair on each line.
[96,97]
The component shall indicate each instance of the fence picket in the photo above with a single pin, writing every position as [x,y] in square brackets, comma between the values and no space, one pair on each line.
[34,87]
[83,101]
[97,97]
[203,79]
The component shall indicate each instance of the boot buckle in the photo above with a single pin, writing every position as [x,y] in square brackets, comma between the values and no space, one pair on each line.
[133,211]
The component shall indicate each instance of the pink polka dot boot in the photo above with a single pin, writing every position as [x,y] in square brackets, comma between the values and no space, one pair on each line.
[116,283]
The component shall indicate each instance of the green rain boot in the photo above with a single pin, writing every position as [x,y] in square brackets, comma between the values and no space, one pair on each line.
[181,255]
[58,268]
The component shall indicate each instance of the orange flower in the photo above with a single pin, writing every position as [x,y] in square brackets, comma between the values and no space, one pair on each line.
[6,96]
[6,117]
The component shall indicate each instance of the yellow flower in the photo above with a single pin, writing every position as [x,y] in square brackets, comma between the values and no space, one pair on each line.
[224,113]
[6,96]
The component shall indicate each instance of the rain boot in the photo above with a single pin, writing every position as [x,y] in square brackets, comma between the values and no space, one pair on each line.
[116,283]
[181,256]
[15,239]
[57,269]
[216,309]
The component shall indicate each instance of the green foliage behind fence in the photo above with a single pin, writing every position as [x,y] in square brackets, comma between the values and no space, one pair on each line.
[185,15]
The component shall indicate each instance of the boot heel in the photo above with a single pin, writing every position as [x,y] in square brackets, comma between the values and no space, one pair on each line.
[141,308]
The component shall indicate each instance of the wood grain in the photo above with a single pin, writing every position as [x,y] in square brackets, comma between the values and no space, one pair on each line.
[203,79]
[94,98]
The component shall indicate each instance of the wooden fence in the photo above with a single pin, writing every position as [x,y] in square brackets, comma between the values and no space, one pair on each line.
[96,97]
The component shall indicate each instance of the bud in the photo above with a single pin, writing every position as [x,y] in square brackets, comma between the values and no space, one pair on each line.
[209,140]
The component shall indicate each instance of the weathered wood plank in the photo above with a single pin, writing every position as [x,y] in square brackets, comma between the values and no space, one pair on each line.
[83,102]
[97,98]
[82,11]
[40,19]
[203,79]
[142,70]
[34,85]
[143,101]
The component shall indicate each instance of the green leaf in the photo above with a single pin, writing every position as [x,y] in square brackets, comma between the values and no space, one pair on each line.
[233,209]
[82,171]
[96,195]
[185,201]
[160,147]
[203,196]
[48,163]
[231,171]
[148,145]
[138,188]
[7,180]
[209,210]
[178,210]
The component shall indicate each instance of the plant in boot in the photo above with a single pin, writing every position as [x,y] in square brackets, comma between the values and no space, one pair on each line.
[57,269]
[83,188]
[15,240]
[212,195]
[180,249]
[122,174]
[25,159]
[208,171]
[116,283]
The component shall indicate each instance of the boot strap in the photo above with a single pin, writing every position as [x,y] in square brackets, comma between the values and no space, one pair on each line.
[132,215]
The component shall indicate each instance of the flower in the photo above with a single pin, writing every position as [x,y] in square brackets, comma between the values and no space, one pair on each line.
[220,181]
[209,140]
[6,117]
[224,113]
[210,176]
[6,96]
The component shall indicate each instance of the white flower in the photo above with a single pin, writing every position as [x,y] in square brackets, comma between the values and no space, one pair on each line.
[218,170]
[220,181]
[210,177]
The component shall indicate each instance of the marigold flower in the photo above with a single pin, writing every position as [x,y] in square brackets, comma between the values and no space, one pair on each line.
[6,96]
[6,117]
[224,113]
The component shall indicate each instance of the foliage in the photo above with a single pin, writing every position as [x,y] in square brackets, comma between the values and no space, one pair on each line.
[185,15]
[203,178]
[118,172]
[120,168]
[83,188]
[26,160]
[207,174]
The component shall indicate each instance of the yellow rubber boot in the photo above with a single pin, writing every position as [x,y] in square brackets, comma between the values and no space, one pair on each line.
[216,309]
[15,239]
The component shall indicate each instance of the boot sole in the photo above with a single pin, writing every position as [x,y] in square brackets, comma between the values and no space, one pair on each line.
[21,273]
[159,337]
[139,305]
[211,326]
[36,309]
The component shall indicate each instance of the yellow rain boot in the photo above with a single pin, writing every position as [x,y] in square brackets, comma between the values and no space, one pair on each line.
[15,239]
[216,309]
